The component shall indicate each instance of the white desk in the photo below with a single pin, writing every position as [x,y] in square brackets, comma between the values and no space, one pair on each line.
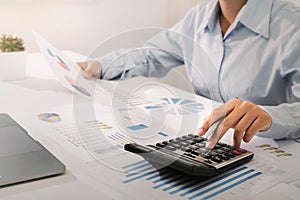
[83,180]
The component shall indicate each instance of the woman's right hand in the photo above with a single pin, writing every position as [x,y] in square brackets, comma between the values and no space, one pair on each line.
[91,69]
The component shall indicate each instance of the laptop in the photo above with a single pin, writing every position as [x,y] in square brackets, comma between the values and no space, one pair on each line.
[21,157]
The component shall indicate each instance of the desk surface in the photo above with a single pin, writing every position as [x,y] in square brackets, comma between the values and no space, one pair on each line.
[87,178]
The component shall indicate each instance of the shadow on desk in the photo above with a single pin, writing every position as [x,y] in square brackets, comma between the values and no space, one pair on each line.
[36,184]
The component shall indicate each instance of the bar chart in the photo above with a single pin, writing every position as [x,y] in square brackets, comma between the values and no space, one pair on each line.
[182,186]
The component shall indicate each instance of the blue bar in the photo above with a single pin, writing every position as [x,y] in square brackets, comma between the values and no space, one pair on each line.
[162,172]
[152,107]
[141,176]
[138,167]
[233,185]
[177,184]
[185,187]
[138,127]
[133,164]
[221,184]
[139,172]
[213,181]
[169,181]
[164,177]
[163,134]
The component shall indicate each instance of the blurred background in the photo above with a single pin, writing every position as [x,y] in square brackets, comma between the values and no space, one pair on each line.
[80,25]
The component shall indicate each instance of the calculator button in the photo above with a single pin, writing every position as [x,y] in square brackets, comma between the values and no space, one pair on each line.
[207,156]
[194,147]
[219,151]
[201,145]
[198,139]
[196,152]
[187,137]
[242,150]
[180,139]
[189,155]
[204,150]
[216,159]
[186,149]
[222,144]
[217,146]
[230,155]
[191,142]
[231,147]
[177,146]
[193,135]
[212,153]
[208,161]
[184,144]
[223,157]
[235,152]
[225,149]
[161,145]
[171,148]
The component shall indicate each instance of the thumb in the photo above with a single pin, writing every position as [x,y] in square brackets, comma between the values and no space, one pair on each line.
[89,71]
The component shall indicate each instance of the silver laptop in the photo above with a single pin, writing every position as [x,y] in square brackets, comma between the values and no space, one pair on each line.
[21,157]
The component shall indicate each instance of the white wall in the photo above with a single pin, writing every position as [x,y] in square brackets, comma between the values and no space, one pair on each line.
[80,25]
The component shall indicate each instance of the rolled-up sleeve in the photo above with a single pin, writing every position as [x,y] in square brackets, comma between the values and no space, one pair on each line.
[286,117]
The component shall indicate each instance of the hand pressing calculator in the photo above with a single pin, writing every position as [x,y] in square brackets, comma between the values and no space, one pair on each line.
[189,155]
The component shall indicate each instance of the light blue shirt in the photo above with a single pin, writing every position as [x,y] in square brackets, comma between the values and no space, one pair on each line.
[258,59]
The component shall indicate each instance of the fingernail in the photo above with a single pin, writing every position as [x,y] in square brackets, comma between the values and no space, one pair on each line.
[210,145]
[201,131]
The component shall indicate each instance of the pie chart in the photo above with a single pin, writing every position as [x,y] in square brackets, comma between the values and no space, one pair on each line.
[177,106]
[49,117]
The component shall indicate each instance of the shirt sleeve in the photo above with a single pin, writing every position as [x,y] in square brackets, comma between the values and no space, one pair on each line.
[160,54]
[286,117]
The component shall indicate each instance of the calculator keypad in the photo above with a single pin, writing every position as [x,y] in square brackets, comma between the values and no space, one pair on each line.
[194,147]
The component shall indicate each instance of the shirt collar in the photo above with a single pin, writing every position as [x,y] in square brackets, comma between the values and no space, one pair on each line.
[255,16]
[210,15]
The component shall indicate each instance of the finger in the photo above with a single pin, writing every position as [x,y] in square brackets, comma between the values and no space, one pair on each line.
[228,122]
[253,129]
[214,116]
[90,70]
[240,129]
[213,140]
[82,65]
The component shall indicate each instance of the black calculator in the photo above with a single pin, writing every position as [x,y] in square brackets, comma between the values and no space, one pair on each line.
[189,154]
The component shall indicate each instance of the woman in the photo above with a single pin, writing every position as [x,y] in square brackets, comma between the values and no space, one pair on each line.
[254,50]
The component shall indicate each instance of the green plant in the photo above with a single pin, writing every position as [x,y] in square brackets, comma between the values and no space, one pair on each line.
[11,43]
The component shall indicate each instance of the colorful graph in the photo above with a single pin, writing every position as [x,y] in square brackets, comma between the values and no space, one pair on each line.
[59,61]
[98,125]
[177,184]
[274,150]
[77,87]
[121,139]
[137,127]
[50,53]
[62,63]
[177,106]
[49,117]
[140,127]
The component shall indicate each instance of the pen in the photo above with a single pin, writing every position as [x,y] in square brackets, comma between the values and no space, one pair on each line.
[213,128]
